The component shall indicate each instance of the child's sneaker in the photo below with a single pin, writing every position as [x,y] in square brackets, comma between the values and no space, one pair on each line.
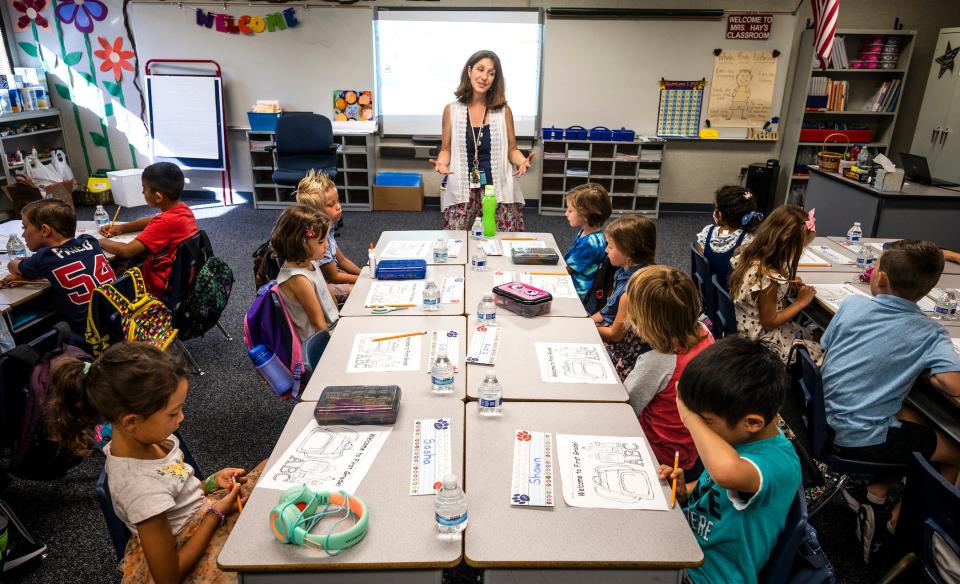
[872,529]
[857,495]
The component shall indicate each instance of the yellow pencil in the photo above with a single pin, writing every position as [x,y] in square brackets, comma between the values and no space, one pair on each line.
[391,305]
[239,500]
[518,239]
[115,215]
[673,493]
[547,273]
[403,336]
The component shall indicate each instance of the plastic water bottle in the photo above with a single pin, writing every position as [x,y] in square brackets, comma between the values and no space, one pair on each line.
[100,217]
[450,507]
[490,396]
[15,248]
[854,234]
[372,261]
[440,251]
[441,374]
[478,261]
[863,157]
[864,258]
[476,231]
[945,307]
[486,311]
[431,296]
[269,366]
[489,204]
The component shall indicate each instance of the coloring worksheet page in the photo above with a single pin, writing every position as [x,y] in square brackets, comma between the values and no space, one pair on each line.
[395,292]
[609,472]
[574,363]
[450,342]
[834,294]
[371,356]
[810,259]
[431,455]
[493,247]
[327,458]
[831,255]
[407,250]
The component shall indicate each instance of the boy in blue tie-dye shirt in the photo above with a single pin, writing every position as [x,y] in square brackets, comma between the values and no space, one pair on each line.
[588,206]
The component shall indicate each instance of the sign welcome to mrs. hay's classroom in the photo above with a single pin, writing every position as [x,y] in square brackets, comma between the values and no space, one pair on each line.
[749,27]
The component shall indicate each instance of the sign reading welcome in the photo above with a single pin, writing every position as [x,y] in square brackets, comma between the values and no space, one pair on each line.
[247,24]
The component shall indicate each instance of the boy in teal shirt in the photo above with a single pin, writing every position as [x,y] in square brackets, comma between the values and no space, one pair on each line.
[738,507]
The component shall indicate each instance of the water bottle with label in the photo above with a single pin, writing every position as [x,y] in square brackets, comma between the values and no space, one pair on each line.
[476,231]
[864,258]
[945,307]
[854,234]
[450,507]
[269,366]
[440,251]
[100,217]
[487,311]
[15,248]
[478,261]
[490,396]
[431,296]
[441,374]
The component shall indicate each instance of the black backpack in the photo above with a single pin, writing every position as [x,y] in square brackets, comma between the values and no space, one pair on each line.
[602,286]
[208,297]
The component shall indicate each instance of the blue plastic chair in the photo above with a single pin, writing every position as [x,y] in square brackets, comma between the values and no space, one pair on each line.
[784,553]
[313,349]
[726,321]
[303,141]
[119,534]
[702,277]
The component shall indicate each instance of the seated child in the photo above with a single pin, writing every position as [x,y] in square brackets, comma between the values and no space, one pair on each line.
[74,266]
[664,311]
[876,349]
[588,206]
[765,271]
[162,233]
[728,398]
[735,218]
[300,237]
[178,523]
[318,191]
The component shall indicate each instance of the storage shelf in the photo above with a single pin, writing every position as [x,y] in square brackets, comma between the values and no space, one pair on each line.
[851,113]
[27,134]
[864,144]
[859,71]
[30,115]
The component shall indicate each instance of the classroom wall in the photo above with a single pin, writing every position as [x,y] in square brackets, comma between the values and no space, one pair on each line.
[103,128]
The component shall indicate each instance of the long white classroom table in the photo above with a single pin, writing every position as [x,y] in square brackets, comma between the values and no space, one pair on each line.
[481,283]
[948,267]
[504,262]
[355,305]
[428,236]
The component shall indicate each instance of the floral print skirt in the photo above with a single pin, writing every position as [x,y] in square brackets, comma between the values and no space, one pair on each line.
[625,353]
[460,216]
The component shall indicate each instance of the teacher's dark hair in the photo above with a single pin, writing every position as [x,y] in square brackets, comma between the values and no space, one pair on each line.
[496,95]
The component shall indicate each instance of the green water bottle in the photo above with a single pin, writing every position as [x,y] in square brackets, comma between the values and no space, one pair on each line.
[489,202]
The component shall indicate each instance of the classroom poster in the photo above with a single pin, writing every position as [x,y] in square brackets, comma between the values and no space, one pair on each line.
[352,105]
[680,104]
[741,93]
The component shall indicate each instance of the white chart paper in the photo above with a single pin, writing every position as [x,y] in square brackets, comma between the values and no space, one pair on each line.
[395,292]
[186,128]
[483,345]
[453,247]
[448,340]
[533,478]
[574,363]
[834,294]
[327,458]
[810,259]
[560,286]
[452,291]
[431,455]
[369,356]
[832,255]
[398,249]
[609,472]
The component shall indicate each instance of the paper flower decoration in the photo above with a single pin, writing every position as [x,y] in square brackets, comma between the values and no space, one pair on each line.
[114,57]
[30,10]
[81,13]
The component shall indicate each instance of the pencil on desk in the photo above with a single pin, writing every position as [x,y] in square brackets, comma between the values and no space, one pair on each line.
[390,305]
[115,215]
[676,464]
[402,336]
[547,273]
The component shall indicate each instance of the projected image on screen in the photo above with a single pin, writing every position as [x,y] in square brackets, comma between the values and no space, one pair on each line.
[421,53]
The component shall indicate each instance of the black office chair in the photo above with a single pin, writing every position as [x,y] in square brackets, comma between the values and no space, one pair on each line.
[726,321]
[303,141]
[784,553]
[702,277]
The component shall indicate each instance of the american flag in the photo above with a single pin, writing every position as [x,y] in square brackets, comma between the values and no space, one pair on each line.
[825,13]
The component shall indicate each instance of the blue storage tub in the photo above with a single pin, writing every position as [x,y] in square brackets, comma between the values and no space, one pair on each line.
[398,179]
[401,269]
[601,134]
[552,133]
[262,122]
[575,133]
[624,135]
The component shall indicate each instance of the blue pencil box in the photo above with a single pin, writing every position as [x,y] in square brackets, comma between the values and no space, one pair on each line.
[401,269]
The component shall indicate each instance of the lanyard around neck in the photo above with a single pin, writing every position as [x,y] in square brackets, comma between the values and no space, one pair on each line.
[478,137]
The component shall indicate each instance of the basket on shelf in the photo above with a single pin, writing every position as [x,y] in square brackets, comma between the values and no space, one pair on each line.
[87,198]
[830,161]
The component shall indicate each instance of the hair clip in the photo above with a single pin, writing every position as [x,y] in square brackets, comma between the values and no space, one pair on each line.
[747,195]
[811,221]
[750,217]
[86,367]
[311,233]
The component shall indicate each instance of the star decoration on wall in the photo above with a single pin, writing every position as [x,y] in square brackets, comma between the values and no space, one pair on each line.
[946,60]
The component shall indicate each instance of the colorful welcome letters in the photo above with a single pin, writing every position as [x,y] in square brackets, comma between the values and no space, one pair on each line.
[247,24]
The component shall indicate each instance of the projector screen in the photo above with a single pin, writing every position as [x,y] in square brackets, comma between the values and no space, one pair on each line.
[420,55]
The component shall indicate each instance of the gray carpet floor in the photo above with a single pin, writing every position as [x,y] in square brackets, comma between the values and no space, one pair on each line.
[231,420]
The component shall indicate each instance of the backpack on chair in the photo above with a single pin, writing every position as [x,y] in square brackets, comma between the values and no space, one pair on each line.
[206,301]
[266,265]
[267,323]
[602,286]
[123,311]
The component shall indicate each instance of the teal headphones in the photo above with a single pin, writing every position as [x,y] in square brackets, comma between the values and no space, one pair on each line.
[300,510]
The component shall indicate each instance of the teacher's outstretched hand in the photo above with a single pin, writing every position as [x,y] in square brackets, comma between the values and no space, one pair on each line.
[524,166]
[440,167]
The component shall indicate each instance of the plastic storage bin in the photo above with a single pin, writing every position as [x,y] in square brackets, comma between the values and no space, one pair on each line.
[522,299]
[534,256]
[358,404]
[552,133]
[575,133]
[398,179]
[624,135]
[262,122]
[401,269]
[601,134]
[127,188]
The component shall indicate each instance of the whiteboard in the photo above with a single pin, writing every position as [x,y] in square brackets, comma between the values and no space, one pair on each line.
[184,116]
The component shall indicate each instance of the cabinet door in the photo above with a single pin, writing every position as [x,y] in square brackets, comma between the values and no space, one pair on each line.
[937,99]
[947,164]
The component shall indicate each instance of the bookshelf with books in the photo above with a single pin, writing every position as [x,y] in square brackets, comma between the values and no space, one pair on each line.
[858,96]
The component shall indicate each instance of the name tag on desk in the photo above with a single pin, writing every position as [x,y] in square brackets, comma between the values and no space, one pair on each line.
[533,480]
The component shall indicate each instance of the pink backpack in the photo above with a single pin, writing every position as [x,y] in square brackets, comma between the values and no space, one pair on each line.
[268,323]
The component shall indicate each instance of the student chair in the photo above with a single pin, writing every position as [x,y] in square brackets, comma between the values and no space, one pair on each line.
[929,522]
[703,278]
[313,349]
[726,321]
[784,553]
[119,534]
[303,141]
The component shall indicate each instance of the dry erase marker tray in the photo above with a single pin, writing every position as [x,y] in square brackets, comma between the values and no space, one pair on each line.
[358,404]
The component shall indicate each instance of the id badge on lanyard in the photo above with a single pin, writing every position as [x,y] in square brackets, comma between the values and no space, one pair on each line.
[476,176]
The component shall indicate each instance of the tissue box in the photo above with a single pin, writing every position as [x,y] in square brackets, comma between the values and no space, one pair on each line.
[888,181]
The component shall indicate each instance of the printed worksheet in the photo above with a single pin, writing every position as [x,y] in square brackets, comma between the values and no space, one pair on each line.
[484,345]
[559,284]
[609,472]
[574,363]
[449,341]
[407,250]
[509,245]
[834,294]
[395,292]
[431,455]
[833,256]
[327,458]
[533,479]
[927,304]
[453,247]
[452,291]
[810,259]
[371,356]
[492,247]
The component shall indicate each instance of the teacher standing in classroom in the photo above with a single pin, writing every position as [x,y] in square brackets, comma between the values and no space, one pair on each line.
[479,148]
